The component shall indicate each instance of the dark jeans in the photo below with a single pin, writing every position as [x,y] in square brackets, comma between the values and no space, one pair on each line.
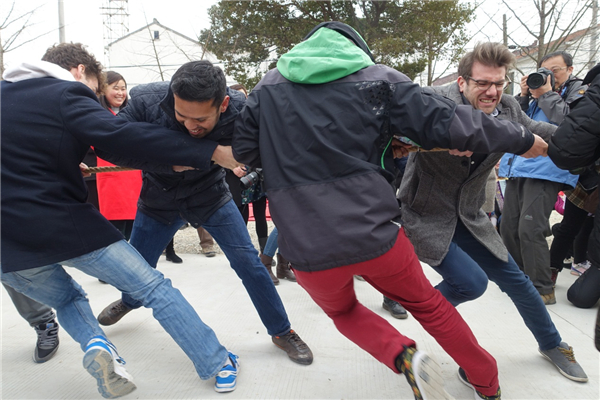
[575,222]
[466,270]
[226,226]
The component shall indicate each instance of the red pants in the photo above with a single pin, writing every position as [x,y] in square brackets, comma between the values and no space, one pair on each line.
[399,275]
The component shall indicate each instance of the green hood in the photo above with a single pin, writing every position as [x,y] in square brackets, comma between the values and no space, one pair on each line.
[324,57]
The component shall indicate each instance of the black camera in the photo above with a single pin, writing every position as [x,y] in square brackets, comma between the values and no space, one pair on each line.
[252,178]
[537,79]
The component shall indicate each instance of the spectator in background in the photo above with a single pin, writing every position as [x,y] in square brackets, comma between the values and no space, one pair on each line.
[533,184]
[254,195]
[118,192]
[576,144]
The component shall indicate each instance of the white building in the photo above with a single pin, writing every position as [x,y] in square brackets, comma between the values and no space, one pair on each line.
[153,53]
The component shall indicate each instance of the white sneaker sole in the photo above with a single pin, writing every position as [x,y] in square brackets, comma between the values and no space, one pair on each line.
[100,364]
[428,377]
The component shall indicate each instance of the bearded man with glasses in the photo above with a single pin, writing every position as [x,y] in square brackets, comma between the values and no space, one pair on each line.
[442,195]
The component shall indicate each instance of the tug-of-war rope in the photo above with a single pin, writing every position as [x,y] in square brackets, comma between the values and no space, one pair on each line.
[97,170]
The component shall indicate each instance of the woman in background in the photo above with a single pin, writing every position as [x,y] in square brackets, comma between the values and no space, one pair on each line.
[118,192]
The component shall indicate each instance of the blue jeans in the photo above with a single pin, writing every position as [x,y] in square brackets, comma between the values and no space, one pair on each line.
[226,226]
[466,270]
[271,246]
[121,266]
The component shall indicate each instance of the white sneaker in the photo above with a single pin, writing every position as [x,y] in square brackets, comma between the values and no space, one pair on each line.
[102,361]
[580,268]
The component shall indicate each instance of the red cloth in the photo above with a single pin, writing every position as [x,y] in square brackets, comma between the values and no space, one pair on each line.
[251,212]
[118,192]
[398,275]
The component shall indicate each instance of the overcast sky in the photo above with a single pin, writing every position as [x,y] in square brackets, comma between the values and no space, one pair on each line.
[83,20]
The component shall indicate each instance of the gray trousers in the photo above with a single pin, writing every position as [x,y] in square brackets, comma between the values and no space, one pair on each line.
[528,203]
[32,311]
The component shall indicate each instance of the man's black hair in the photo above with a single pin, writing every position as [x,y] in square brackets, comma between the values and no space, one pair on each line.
[199,81]
[567,58]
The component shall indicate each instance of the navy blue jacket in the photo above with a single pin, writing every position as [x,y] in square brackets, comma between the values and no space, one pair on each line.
[47,126]
[166,195]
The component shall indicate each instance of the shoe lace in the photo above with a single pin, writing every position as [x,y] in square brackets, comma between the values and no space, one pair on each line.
[568,353]
[494,397]
[48,337]
[295,340]
[120,307]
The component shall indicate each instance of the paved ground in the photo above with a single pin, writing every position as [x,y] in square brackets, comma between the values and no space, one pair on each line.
[340,370]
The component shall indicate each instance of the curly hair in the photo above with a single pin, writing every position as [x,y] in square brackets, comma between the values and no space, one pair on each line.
[70,55]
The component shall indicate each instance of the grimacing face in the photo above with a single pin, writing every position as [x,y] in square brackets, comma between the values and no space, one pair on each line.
[199,118]
[484,100]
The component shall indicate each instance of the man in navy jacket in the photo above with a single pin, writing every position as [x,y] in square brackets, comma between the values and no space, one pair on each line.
[50,117]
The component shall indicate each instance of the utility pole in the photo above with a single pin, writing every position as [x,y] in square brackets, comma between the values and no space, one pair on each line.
[61,21]
[504,31]
[594,37]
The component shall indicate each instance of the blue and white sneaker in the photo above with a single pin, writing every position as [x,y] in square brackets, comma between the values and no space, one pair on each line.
[225,379]
[102,361]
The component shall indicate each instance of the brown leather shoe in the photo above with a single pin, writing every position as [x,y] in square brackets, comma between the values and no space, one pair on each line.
[549,298]
[113,313]
[297,350]
[266,260]
[283,269]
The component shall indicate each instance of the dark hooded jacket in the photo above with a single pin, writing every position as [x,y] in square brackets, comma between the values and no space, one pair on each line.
[321,126]
[576,144]
[194,195]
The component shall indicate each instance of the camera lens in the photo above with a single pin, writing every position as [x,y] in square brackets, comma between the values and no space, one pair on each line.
[536,80]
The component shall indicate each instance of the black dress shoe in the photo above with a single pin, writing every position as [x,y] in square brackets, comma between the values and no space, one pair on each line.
[395,309]
[174,258]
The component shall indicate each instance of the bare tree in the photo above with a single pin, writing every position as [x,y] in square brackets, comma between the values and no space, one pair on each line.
[546,26]
[11,30]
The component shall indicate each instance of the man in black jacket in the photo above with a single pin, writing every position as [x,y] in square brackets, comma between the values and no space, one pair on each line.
[50,118]
[198,103]
[322,126]
[576,144]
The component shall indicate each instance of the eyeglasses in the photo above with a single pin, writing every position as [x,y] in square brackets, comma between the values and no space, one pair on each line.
[557,69]
[486,85]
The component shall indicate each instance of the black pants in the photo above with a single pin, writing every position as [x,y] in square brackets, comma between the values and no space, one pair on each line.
[575,224]
[585,292]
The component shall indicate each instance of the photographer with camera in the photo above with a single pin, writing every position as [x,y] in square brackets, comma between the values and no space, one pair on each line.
[533,184]
[552,94]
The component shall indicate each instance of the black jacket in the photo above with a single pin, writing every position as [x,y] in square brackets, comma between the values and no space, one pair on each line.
[193,195]
[576,144]
[47,126]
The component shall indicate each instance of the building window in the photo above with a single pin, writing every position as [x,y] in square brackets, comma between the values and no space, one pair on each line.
[156,35]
